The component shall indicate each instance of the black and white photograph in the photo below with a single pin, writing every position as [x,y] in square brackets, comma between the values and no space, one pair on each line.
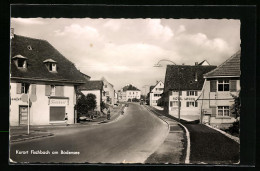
[124,91]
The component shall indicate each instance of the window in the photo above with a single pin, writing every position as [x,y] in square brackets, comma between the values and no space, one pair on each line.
[174,104]
[223,110]
[25,88]
[192,104]
[53,90]
[52,67]
[192,93]
[223,85]
[105,86]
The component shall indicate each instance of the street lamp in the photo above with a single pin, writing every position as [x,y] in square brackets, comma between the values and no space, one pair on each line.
[179,87]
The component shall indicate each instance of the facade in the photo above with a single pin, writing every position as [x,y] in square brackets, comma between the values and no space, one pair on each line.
[183,84]
[156,93]
[93,87]
[220,85]
[109,92]
[130,92]
[115,97]
[39,72]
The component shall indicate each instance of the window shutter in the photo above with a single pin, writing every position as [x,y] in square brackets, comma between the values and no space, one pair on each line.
[213,85]
[187,104]
[33,89]
[19,88]
[214,111]
[47,90]
[59,91]
[187,93]
[196,104]
[233,85]
[196,93]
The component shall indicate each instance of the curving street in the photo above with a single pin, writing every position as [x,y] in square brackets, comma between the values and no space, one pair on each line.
[129,140]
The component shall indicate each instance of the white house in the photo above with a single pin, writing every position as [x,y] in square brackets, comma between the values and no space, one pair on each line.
[109,96]
[40,72]
[183,84]
[130,92]
[156,93]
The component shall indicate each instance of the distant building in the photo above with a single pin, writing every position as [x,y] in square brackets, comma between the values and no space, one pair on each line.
[219,86]
[155,93]
[204,63]
[93,87]
[130,92]
[188,81]
[109,92]
[40,71]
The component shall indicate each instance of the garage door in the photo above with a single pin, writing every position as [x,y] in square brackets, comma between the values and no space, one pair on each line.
[57,113]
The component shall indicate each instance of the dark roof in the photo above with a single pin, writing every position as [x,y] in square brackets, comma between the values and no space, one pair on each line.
[130,87]
[39,52]
[85,75]
[92,85]
[151,88]
[230,67]
[183,77]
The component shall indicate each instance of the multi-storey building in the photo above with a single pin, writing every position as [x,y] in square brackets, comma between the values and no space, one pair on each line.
[183,84]
[45,78]
[219,89]
[156,93]
[109,90]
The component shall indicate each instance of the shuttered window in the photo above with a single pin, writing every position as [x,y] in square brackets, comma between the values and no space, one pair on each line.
[19,88]
[59,90]
[47,90]
[213,85]
[233,85]
[34,89]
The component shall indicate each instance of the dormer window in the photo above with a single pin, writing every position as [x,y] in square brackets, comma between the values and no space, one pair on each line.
[20,61]
[51,65]
[29,47]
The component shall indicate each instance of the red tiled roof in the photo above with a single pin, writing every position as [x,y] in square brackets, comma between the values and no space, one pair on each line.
[230,67]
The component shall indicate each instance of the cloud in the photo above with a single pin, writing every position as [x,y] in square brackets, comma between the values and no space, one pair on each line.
[112,25]
[157,30]
[28,21]
[77,31]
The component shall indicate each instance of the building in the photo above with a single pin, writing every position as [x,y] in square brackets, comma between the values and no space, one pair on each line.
[130,93]
[204,63]
[93,87]
[182,86]
[155,93]
[216,98]
[109,92]
[115,97]
[40,71]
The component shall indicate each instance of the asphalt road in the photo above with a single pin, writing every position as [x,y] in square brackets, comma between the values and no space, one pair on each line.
[129,140]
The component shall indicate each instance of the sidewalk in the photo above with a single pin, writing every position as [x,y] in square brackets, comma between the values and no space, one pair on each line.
[173,149]
[19,133]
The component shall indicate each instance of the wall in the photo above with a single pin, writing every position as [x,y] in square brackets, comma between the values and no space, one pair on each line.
[209,107]
[184,110]
[98,97]
[110,89]
[131,94]
[40,109]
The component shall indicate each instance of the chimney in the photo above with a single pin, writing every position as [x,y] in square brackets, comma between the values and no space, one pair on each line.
[12,33]
[196,63]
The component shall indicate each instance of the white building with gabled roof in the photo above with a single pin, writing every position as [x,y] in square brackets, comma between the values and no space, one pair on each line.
[156,93]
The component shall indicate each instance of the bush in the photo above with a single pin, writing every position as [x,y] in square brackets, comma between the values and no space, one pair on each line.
[135,100]
[234,129]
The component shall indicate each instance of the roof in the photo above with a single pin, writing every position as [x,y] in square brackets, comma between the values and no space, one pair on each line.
[19,57]
[183,77]
[201,63]
[42,50]
[230,68]
[85,75]
[92,85]
[130,87]
[151,88]
[49,60]
[105,80]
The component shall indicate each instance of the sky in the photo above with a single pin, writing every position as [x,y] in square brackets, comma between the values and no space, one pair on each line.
[124,51]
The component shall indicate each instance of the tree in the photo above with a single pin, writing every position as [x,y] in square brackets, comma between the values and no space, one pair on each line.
[81,105]
[91,101]
[235,108]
